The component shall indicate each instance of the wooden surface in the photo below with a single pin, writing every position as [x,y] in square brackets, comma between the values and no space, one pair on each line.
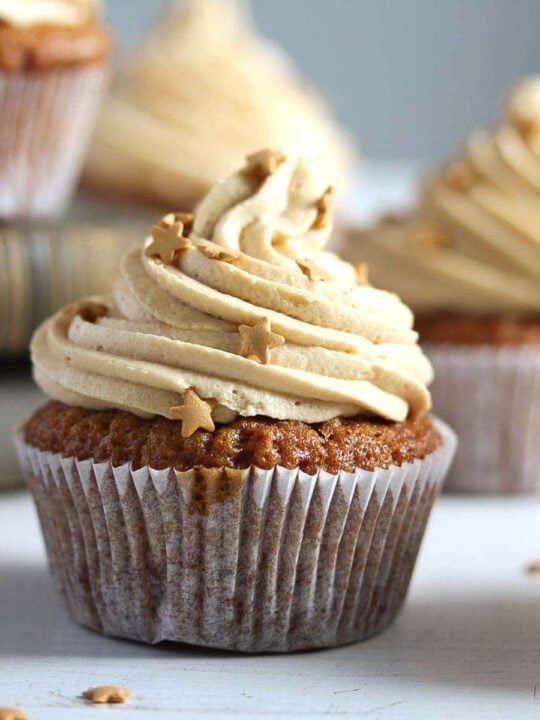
[467,644]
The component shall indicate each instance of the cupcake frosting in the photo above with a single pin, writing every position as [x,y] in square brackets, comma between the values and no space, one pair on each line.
[28,13]
[245,308]
[202,90]
[473,245]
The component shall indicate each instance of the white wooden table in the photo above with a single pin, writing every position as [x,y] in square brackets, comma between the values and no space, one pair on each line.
[467,644]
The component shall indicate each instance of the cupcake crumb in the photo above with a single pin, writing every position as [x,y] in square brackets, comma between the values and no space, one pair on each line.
[106,694]
[12,714]
[534,568]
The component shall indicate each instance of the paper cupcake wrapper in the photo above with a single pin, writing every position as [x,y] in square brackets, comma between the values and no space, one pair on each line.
[254,560]
[491,397]
[45,123]
[45,266]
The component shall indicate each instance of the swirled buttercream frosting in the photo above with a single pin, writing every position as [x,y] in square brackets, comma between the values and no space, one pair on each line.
[202,89]
[242,306]
[473,243]
[29,13]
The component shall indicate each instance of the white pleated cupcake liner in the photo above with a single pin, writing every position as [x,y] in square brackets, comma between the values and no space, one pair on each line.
[46,118]
[252,560]
[491,397]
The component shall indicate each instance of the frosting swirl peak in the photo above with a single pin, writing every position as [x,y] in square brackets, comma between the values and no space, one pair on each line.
[473,243]
[243,305]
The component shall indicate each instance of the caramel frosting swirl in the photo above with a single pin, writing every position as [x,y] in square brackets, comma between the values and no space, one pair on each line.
[237,313]
[473,244]
[28,13]
[202,89]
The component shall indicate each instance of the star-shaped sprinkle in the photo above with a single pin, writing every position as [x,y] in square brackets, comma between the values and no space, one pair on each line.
[88,310]
[215,252]
[534,568]
[178,217]
[107,694]
[258,340]
[312,271]
[167,242]
[362,273]
[279,239]
[194,413]
[459,176]
[325,208]
[264,163]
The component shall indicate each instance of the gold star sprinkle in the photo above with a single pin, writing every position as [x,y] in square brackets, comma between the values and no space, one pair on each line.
[459,176]
[194,413]
[534,568]
[215,252]
[177,217]
[325,208]
[312,271]
[362,273]
[12,714]
[167,242]
[264,163]
[88,310]
[279,239]
[257,341]
[107,694]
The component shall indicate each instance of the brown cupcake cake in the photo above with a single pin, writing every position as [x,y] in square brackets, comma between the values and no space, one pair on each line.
[468,263]
[237,452]
[53,63]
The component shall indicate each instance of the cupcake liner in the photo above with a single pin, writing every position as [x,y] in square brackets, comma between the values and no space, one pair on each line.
[491,397]
[251,560]
[46,265]
[45,122]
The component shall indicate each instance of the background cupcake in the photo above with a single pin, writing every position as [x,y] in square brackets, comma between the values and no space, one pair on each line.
[53,63]
[202,89]
[238,454]
[468,262]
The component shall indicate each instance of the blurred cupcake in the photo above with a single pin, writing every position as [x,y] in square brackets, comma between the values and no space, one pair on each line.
[201,90]
[238,454]
[53,63]
[468,263]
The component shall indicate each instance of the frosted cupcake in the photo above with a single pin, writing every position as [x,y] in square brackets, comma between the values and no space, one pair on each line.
[53,62]
[468,263]
[201,90]
[238,453]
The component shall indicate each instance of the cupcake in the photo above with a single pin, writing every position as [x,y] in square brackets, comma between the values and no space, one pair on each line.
[202,89]
[468,262]
[53,63]
[237,452]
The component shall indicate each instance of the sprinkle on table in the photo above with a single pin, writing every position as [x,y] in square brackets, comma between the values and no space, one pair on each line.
[264,162]
[107,694]
[167,242]
[195,413]
[325,207]
[258,340]
[7,713]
